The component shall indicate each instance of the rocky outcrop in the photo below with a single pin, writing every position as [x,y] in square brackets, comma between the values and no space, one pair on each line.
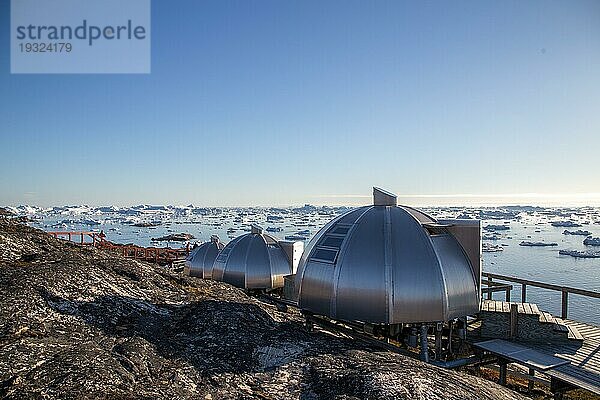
[175,237]
[84,323]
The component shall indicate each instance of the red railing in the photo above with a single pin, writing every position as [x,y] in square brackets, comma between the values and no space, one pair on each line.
[164,255]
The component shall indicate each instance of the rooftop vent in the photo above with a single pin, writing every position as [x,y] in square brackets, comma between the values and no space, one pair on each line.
[383,198]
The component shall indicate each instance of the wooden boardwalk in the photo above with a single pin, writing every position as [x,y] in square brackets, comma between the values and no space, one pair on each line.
[587,331]
[159,255]
[522,322]
[581,348]
[584,368]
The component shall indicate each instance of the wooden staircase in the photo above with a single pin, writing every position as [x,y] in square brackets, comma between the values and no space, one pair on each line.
[523,322]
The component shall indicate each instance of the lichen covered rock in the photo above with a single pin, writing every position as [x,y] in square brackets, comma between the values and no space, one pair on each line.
[85,323]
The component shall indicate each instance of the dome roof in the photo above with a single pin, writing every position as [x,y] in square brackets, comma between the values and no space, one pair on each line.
[255,260]
[387,264]
[200,261]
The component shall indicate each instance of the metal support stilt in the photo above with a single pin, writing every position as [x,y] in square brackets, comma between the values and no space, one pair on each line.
[424,345]
[503,368]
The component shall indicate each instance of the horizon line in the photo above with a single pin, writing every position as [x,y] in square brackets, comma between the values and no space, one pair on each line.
[470,195]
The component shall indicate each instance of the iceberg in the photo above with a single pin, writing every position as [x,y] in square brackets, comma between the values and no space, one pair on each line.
[496,228]
[580,254]
[537,244]
[295,237]
[577,232]
[491,248]
[565,224]
[592,241]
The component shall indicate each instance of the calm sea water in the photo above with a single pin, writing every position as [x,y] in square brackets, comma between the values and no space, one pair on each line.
[535,263]
[544,264]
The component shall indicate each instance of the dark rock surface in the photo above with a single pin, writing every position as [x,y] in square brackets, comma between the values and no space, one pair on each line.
[84,323]
[175,237]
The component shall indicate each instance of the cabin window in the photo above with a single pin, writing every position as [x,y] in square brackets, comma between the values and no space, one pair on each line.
[325,255]
[340,230]
[332,241]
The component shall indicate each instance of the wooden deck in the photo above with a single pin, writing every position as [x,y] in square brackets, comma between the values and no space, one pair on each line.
[503,306]
[584,368]
[587,331]
[524,323]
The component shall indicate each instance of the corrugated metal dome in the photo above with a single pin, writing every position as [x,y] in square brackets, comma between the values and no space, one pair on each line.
[387,264]
[200,261]
[252,261]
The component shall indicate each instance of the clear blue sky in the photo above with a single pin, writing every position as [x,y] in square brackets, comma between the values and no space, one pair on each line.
[286,102]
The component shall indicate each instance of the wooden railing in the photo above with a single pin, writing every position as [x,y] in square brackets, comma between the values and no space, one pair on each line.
[564,290]
[160,255]
[79,237]
[493,287]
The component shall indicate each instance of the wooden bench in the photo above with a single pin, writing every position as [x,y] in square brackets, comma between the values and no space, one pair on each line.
[563,375]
